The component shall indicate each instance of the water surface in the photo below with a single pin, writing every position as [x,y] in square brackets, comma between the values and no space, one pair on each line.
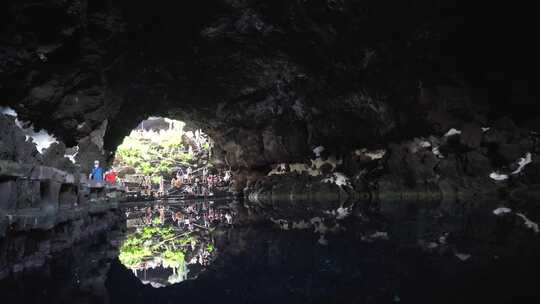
[213,252]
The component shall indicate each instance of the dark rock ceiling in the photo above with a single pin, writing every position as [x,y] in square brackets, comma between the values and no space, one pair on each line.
[268,80]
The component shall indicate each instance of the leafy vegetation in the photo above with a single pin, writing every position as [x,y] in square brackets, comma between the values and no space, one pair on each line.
[160,153]
[152,242]
[174,258]
[153,153]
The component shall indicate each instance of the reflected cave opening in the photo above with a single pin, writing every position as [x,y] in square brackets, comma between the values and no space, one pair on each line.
[168,242]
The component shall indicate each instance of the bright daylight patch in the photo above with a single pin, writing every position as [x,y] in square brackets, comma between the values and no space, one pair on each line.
[41,139]
[161,157]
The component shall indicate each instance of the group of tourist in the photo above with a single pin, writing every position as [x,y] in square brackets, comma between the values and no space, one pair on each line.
[203,184]
[98,174]
[188,182]
[201,215]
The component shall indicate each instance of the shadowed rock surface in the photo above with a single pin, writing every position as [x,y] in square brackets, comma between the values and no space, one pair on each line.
[268,81]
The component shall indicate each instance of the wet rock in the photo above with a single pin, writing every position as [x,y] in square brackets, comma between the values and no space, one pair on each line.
[477,164]
[511,152]
[412,165]
[28,252]
[326,169]
[449,167]
[284,143]
[471,135]
[532,171]
[503,131]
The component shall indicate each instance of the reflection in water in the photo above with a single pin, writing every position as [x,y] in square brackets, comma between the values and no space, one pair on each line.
[170,243]
[383,252]
[159,249]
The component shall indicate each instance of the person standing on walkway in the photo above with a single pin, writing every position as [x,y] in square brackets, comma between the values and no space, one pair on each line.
[110,177]
[97,172]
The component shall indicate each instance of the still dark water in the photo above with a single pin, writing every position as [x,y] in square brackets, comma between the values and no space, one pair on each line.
[215,252]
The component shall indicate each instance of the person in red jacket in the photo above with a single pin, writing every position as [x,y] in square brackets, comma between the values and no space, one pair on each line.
[110,177]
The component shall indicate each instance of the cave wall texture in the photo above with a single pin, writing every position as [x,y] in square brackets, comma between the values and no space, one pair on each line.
[267,80]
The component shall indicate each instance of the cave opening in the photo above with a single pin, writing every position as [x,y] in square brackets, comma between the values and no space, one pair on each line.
[163,157]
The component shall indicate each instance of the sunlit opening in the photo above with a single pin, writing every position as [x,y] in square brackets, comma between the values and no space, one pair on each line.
[163,158]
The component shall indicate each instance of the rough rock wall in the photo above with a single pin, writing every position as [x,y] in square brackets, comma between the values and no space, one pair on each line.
[268,80]
[17,147]
[13,144]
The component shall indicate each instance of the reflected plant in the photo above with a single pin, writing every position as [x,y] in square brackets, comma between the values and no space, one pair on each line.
[155,241]
[187,240]
[173,258]
[167,247]
[133,255]
[156,221]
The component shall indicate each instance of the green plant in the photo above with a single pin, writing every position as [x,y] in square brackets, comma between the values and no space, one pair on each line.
[206,146]
[155,241]
[155,153]
[173,256]
[133,255]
